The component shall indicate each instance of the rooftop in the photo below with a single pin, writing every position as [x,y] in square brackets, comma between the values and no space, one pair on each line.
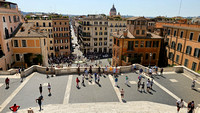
[130,36]
[28,30]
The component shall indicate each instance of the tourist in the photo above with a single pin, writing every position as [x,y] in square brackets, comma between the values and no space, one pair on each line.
[49,89]
[52,70]
[143,84]
[114,71]
[135,68]
[141,70]
[151,83]
[78,70]
[193,84]
[148,85]
[7,81]
[40,89]
[106,70]
[138,84]
[116,80]
[179,105]
[122,94]
[86,72]
[95,77]
[99,70]
[150,72]
[156,69]
[111,69]
[126,80]
[77,82]
[98,78]
[14,108]
[161,71]
[90,70]
[190,107]
[39,101]
[47,70]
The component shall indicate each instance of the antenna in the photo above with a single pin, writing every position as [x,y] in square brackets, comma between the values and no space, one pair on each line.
[180,8]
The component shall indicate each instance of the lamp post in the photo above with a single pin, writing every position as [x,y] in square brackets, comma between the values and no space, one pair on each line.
[150,60]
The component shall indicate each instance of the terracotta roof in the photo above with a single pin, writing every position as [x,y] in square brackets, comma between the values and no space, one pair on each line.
[30,31]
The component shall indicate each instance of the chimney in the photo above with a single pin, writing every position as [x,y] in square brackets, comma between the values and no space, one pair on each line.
[125,33]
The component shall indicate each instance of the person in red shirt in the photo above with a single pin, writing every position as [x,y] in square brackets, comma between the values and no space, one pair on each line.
[7,82]
[14,108]
[77,81]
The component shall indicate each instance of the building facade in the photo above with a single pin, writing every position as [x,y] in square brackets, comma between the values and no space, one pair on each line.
[10,21]
[29,43]
[183,45]
[135,44]
[62,36]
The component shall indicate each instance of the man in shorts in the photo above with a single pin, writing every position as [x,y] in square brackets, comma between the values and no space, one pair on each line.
[179,105]
[14,108]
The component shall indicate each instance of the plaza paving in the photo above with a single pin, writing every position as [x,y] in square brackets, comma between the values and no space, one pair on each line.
[97,98]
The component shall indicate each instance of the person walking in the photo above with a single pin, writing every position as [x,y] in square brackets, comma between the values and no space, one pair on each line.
[52,70]
[126,80]
[190,107]
[39,101]
[111,70]
[143,84]
[161,71]
[78,70]
[114,71]
[141,70]
[14,108]
[40,89]
[122,94]
[90,70]
[106,70]
[156,69]
[47,70]
[150,72]
[179,105]
[193,84]
[86,72]
[7,81]
[151,83]
[116,80]
[99,70]
[95,77]
[49,89]
[148,85]
[77,82]
[138,84]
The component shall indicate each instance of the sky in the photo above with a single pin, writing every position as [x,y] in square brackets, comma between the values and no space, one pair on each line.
[147,8]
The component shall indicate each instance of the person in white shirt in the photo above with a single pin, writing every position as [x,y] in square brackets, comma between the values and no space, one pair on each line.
[179,105]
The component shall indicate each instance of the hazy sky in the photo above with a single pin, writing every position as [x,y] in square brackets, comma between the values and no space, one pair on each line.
[125,7]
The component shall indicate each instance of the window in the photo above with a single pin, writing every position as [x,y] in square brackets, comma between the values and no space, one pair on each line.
[177,58]
[15,43]
[148,43]
[110,40]
[105,33]
[95,28]
[143,32]
[173,45]
[23,43]
[114,41]
[199,38]
[154,56]
[17,57]
[95,44]
[168,32]
[8,48]
[130,45]
[181,36]
[155,43]
[61,41]
[105,43]
[51,48]
[96,33]
[171,55]
[65,23]
[11,30]
[95,39]
[188,50]
[142,44]
[196,52]
[136,43]
[105,28]
[105,39]
[88,28]
[147,56]
[137,32]
[55,41]
[55,23]
[100,39]
[100,23]
[194,65]
[51,42]
[49,24]
[61,47]
[100,28]
[96,23]
[186,62]
[10,19]
[66,47]
[179,47]
[191,36]
[60,23]
[66,41]
[4,19]
[44,24]
[100,43]
[174,33]
[100,33]
[44,42]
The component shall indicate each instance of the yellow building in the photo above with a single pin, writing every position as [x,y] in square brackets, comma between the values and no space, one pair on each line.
[29,45]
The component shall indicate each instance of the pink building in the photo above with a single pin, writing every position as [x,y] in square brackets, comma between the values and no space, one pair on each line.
[10,22]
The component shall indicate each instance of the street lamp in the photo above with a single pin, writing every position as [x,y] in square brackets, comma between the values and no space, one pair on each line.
[150,59]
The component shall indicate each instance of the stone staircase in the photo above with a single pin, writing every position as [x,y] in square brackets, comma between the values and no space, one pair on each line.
[109,107]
